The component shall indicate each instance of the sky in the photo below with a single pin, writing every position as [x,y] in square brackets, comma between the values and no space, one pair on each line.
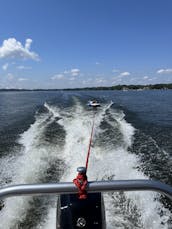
[84,43]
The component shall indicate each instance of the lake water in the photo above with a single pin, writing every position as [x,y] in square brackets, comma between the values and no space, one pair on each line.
[44,137]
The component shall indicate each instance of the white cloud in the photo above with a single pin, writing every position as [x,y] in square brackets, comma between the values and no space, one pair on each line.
[116,81]
[120,75]
[5,66]
[146,77]
[66,72]
[165,71]
[21,67]
[57,77]
[10,76]
[70,73]
[75,72]
[11,48]
[22,79]
[87,81]
[100,80]
[84,82]
[124,74]
[28,43]
[72,78]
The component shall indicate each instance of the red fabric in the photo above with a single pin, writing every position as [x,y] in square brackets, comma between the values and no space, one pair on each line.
[81,183]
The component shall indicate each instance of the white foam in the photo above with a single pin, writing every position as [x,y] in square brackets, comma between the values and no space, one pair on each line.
[105,163]
[52,109]
[28,168]
[116,164]
[120,164]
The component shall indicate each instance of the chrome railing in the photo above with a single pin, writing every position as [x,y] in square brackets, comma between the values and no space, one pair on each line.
[94,186]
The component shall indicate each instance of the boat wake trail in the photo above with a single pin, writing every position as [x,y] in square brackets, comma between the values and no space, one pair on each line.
[56,144]
[36,162]
[110,159]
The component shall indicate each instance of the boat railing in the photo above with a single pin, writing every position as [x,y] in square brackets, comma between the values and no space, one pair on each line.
[93,186]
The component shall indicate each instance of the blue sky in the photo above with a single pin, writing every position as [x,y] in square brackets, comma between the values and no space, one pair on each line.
[82,43]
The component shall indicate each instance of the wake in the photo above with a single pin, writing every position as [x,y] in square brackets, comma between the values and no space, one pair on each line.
[109,159]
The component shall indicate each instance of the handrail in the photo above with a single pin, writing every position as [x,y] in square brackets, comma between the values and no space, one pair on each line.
[94,186]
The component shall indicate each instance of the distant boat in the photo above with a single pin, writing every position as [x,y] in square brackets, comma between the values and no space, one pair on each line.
[93,103]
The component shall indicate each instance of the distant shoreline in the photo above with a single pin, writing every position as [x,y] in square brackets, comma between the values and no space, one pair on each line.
[117,87]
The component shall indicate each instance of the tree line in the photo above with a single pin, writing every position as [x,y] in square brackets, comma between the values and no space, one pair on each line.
[116,87]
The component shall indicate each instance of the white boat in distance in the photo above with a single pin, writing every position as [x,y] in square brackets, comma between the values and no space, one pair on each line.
[93,103]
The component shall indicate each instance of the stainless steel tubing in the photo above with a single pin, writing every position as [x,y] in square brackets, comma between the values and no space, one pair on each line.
[94,186]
